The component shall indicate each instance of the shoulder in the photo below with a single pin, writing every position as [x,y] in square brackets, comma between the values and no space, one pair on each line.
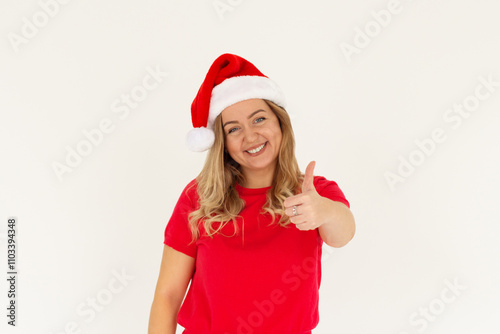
[321,182]
[330,189]
[189,193]
[191,186]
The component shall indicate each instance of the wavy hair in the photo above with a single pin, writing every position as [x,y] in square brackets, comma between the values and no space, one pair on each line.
[219,202]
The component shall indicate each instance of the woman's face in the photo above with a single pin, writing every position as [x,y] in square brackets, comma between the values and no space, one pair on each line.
[252,135]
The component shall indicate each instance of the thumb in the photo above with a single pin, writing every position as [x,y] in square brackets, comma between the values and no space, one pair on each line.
[308,183]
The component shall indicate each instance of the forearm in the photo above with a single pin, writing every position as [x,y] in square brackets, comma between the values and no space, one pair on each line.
[163,316]
[340,227]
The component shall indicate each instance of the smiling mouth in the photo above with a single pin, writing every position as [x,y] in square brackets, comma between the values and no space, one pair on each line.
[258,149]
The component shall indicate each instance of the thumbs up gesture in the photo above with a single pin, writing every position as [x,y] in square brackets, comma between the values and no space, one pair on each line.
[309,209]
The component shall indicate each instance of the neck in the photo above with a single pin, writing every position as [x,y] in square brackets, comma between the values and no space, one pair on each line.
[259,178]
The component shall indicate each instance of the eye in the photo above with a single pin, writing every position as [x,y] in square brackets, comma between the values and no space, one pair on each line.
[231,130]
[262,118]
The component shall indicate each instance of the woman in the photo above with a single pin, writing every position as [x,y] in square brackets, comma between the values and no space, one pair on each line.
[247,232]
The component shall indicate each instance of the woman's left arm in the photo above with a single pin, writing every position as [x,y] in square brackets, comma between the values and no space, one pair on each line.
[338,227]
[333,219]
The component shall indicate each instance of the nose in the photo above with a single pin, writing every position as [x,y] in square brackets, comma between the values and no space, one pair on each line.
[251,135]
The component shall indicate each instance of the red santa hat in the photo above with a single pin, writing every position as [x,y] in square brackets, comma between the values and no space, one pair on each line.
[229,80]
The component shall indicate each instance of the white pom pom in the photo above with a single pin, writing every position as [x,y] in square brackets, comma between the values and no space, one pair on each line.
[200,139]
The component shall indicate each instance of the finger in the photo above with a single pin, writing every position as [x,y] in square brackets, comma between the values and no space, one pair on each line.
[295,200]
[302,225]
[289,211]
[308,183]
[298,220]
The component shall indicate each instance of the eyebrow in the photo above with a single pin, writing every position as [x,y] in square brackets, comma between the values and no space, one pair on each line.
[255,112]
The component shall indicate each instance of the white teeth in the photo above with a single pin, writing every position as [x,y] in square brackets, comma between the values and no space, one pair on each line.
[257,149]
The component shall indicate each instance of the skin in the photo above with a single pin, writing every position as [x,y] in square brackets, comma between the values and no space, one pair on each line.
[250,123]
[242,133]
[333,219]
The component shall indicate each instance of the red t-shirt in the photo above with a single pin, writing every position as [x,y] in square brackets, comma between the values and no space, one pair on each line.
[267,282]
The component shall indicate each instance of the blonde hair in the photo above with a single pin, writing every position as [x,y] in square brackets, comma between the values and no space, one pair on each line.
[218,198]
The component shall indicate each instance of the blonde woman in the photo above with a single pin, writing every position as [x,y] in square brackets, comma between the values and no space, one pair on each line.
[247,232]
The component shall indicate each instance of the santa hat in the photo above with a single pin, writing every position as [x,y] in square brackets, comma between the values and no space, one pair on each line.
[229,80]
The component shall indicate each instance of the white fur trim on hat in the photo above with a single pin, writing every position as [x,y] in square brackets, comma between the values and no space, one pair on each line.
[240,88]
[200,139]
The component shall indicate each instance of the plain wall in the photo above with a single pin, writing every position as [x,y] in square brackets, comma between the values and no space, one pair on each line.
[374,90]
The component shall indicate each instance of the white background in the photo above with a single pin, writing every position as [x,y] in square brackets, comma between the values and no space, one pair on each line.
[356,116]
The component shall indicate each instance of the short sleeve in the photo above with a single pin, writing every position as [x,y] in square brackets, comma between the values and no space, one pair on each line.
[177,233]
[329,189]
